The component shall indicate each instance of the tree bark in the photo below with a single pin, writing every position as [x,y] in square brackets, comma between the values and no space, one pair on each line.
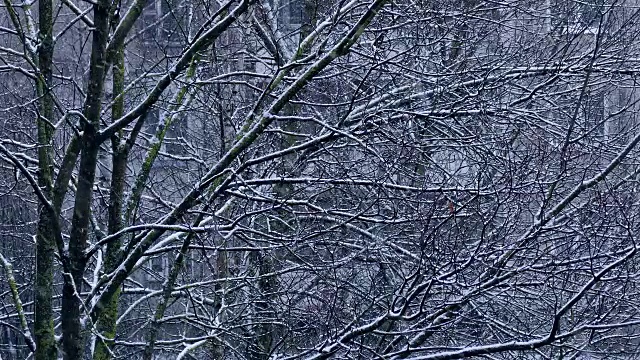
[45,243]
[72,337]
[107,321]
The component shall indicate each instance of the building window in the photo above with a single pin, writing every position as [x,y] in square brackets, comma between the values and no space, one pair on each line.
[174,141]
[158,270]
[293,13]
[162,22]
[588,13]
[175,138]
[171,12]
[151,122]
[584,16]
[296,12]
[148,21]
[593,112]
[576,17]
[157,265]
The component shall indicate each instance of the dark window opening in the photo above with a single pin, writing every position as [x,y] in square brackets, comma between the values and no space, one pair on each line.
[593,112]
[172,15]
[157,265]
[149,18]
[174,139]
[296,11]
[578,16]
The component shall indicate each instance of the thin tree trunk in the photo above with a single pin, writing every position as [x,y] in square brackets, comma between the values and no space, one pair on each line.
[168,287]
[72,337]
[107,321]
[265,262]
[45,243]
[179,101]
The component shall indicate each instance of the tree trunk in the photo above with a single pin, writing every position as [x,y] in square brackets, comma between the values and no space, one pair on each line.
[107,320]
[45,244]
[72,337]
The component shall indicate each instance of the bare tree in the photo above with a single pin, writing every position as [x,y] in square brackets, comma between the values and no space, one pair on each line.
[310,180]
